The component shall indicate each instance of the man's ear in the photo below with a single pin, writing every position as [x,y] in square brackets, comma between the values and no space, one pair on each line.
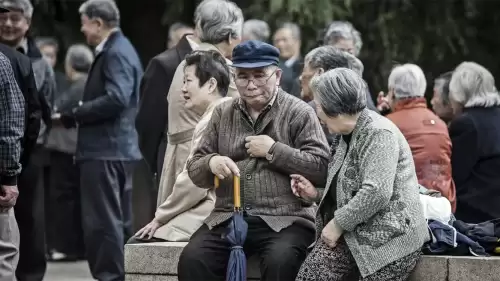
[278,74]
[320,71]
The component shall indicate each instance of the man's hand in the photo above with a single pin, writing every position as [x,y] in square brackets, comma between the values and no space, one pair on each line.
[223,167]
[8,197]
[68,121]
[383,102]
[258,146]
[303,188]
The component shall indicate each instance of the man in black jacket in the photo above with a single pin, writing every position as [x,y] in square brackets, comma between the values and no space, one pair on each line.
[36,106]
[29,210]
[151,121]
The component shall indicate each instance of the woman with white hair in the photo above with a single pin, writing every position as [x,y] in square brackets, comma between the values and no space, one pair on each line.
[370,220]
[425,132]
[475,135]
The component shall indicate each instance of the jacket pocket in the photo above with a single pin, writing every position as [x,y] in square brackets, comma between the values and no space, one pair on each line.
[383,227]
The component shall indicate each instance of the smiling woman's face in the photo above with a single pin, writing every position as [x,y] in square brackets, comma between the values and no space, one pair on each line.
[197,98]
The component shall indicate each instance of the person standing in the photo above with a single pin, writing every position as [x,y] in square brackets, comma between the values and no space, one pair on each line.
[288,40]
[107,147]
[219,25]
[12,122]
[63,199]
[30,215]
[152,118]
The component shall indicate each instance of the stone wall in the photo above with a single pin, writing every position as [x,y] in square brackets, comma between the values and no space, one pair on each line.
[158,262]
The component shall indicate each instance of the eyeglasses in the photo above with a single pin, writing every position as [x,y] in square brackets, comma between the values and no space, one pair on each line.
[257,81]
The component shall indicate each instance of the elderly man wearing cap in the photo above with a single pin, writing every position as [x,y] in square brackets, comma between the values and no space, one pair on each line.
[264,136]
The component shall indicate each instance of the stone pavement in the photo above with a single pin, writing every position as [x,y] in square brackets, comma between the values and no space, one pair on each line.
[74,271]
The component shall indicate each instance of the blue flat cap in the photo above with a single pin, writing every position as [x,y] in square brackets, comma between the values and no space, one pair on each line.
[255,54]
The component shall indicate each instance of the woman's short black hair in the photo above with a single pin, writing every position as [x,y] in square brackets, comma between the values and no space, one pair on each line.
[210,64]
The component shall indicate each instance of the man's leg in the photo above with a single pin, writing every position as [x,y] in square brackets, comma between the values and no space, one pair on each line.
[65,206]
[9,246]
[206,255]
[281,253]
[30,216]
[100,183]
[126,180]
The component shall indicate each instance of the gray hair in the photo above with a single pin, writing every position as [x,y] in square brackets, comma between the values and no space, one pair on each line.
[442,84]
[106,10]
[328,57]
[343,30]
[294,29]
[46,41]
[218,20]
[256,30]
[24,6]
[79,57]
[407,81]
[340,91]
[473,85]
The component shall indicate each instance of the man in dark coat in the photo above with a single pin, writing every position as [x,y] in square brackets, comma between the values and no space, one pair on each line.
[151,122]
[23,72]
[107,148]
[29,209]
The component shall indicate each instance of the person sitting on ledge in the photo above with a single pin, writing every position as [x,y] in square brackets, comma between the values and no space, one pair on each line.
[268,135]
[206,84]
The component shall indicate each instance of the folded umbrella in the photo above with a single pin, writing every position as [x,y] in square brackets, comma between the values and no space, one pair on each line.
[236,235]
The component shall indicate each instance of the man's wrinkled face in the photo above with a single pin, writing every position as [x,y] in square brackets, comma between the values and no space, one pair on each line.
[345,45]
[13,27]
[444,111]
[257,86]
[91,29]
[286,43]
[305,79]
[49,53]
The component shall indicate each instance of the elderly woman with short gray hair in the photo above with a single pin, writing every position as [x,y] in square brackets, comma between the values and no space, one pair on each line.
[64,200]
[370,221]
[475,137]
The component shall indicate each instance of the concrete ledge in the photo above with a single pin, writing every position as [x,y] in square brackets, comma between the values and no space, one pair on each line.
[158,262]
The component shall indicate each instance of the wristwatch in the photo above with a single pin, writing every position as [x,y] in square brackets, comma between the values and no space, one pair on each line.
[269,154]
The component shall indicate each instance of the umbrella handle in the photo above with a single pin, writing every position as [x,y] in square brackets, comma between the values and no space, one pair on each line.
[236,190]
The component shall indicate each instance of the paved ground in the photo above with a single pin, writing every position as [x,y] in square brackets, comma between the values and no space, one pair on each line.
[76,271]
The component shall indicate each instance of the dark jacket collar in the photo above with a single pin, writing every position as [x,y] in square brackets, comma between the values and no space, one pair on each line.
[183,47]
[33,52]
[115,35]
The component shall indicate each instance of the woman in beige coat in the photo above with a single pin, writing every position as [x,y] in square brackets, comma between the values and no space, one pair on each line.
[206,83]
[218,25]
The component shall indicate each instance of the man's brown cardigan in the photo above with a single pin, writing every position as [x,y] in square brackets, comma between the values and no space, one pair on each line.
[265,185]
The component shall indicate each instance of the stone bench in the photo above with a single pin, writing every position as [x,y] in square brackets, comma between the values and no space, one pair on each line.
[158,262]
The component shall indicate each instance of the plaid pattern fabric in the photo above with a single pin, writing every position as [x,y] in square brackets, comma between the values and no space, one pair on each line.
[11,123]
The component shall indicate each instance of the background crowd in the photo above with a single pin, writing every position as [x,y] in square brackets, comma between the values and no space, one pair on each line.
[99,126]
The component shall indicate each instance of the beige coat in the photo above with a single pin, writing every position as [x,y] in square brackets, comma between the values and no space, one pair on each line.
[188,205]
[181,124]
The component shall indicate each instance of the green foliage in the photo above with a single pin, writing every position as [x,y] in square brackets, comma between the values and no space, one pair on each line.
[435,34]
